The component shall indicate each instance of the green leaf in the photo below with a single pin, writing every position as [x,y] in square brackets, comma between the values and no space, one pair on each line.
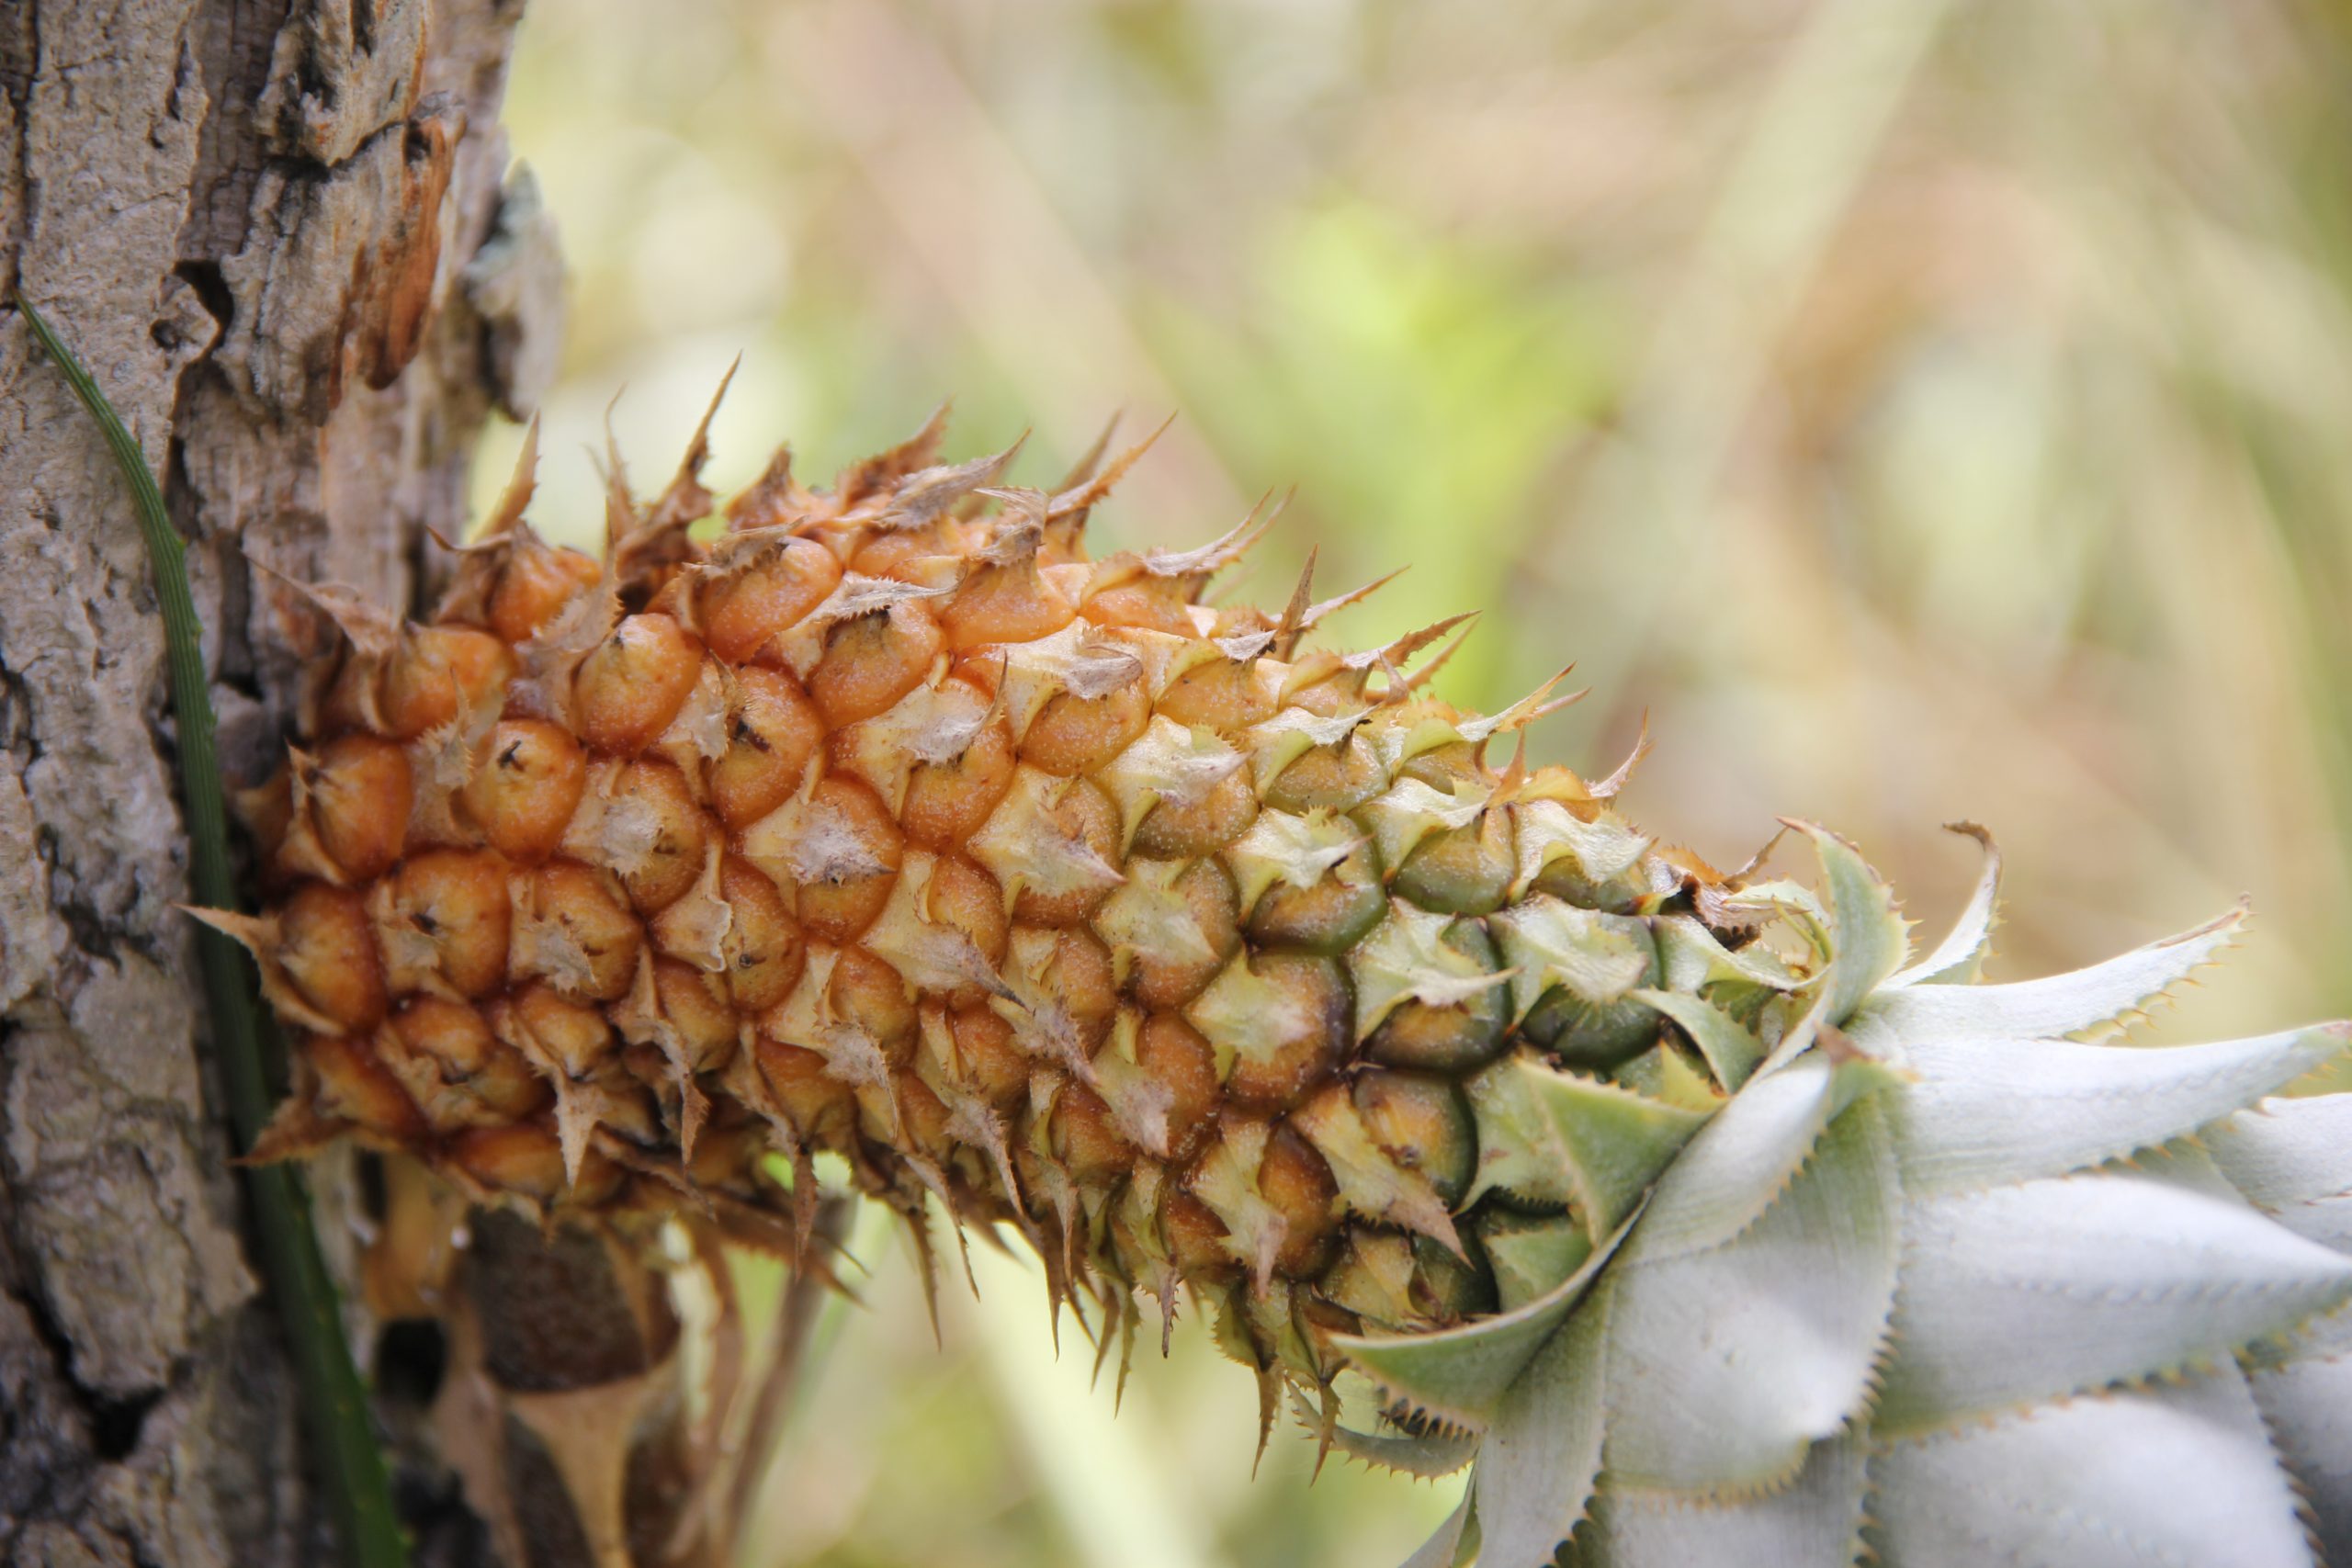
[1462,1374]
[1555,1137]
[2050,1008]
[1616,1141]
[2046,1289]
[2170,1475]
[1815,1521]
[1671,1074]
[1869,939]
[1959,959]
[1692,960]
[1539,1461]
[1422,1455]
[1987,1111]
[335,1401]
[1532,1254]
[1518,1150]
[1727,1364]
[1732,1050]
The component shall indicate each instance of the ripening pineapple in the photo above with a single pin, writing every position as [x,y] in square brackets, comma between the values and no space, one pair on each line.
[1687,1207]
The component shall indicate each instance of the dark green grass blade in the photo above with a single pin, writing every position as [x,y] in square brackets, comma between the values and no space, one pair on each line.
[334,1402]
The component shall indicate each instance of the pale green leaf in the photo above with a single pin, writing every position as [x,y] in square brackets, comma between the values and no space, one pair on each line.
[1555,1137]
[2173,1475]
[1727,1364]
[1454,1543]
[1814,1522]
[1798,1037]
[1460,1374]
[1532,1254]
[2308,1407]
[1541,1457]
[1517,1145]
[1959,959]
[1731,1049]
[1671,1074]
[1616,1142]
[1869,939]
[2049,1288]
[1737,1165]
[1423,1455]
[2049,1009]
[1690,959]
[1987,1111]
[1781,898]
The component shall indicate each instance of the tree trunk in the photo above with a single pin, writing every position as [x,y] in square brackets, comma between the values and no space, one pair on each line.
[276,231]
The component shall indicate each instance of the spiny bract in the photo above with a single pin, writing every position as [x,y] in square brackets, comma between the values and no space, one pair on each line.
[886,824]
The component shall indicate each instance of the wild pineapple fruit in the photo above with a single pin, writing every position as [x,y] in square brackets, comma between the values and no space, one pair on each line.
[1706,1223]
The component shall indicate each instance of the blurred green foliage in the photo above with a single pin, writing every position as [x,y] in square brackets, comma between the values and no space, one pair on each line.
[1920,411]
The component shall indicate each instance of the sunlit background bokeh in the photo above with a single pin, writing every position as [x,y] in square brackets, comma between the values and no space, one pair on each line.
[1921,411]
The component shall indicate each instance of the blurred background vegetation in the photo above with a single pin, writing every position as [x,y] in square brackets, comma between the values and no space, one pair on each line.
[1920,411]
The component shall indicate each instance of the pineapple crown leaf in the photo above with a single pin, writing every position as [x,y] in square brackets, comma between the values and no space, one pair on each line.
[1540,1459]
[2138,1472]
[1717,1402]
[1424,1455]
[1869,939]
[1610,1142]
[1731,1049]
[1991,1111]
[1959,959]
[1531,1254]
[1738,1165]
[2010,1296]
[1819,1518]
[1808,1487]
[1460,1376]
[1454,1543]
[2083,1001]
[2290,1158]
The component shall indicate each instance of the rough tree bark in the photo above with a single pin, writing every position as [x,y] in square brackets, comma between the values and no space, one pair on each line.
[276,232]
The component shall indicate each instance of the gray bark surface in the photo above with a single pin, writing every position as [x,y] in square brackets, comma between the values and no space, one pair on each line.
[276,231]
